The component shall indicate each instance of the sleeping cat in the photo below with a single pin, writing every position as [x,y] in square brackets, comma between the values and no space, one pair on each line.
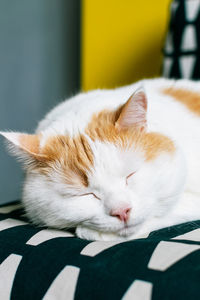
[115,164]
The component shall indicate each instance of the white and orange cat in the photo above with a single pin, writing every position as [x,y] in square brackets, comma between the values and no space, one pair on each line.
[115,164]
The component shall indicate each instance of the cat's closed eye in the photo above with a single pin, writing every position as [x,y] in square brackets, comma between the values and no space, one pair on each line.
[86,194]
[127,177]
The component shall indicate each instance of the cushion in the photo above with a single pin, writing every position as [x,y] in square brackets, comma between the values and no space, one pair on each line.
[41,263]
[182,47]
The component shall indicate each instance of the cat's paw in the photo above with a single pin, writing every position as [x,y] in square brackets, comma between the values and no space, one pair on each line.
[93,235]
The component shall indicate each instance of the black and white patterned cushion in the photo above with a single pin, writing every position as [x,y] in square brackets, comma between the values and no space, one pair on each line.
[182,47]
[40,263]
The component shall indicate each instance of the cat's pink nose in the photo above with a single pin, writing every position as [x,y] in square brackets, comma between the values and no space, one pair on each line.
[121,213]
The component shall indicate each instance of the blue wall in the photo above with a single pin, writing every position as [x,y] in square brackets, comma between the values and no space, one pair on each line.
[39,66]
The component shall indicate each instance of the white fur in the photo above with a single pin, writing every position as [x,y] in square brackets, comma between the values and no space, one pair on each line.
[162,192]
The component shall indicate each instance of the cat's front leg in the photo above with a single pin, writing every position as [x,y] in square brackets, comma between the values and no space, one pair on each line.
[94,235]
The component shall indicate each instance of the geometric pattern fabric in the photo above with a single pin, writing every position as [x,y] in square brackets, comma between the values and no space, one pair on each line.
[40,263]
[182,45]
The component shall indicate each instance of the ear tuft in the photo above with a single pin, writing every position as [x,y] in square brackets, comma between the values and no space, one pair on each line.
[12,137]
[133,114]
[24,146]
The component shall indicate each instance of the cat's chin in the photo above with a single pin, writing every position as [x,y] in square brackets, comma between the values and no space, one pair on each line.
[124,234]
[93,235]
[128,231]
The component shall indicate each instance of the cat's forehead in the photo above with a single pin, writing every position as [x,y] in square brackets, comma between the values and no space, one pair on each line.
[111,160]
[102,149]
[71,158]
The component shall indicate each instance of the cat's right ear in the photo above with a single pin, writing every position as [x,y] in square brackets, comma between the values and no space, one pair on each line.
[24,146]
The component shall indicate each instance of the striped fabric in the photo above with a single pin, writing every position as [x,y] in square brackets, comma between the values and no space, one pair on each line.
[182,48]
[40,263]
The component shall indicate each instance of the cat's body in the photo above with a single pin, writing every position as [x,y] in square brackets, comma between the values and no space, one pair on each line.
[112,168]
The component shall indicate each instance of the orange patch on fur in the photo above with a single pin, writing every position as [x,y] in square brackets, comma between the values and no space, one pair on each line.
[72,158]
[154,144]
[30,143]
[190,99]
[102,127]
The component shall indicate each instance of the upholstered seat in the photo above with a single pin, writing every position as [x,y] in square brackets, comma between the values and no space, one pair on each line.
[40,263]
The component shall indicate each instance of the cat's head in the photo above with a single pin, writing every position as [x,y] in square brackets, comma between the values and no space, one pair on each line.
[111,178]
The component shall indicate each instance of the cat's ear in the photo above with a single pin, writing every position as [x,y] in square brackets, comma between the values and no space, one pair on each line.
[24,146]
[133,113]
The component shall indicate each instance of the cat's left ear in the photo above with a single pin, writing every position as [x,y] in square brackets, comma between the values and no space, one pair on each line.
[23,145]
[133,113]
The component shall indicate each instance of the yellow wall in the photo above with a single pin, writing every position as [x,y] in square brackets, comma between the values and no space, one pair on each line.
[121,40]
